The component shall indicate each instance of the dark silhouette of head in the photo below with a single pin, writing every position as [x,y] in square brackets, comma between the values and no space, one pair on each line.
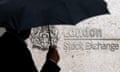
[24,34]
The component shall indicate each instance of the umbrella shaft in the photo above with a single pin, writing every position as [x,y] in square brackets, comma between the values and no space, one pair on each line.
[50,38]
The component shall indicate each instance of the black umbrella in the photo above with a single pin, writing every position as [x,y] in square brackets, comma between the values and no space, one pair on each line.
[24,14]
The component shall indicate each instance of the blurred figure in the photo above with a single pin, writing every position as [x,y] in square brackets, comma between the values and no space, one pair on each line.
[15,56]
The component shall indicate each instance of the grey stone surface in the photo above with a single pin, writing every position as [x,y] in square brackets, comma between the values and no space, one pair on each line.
[2,31]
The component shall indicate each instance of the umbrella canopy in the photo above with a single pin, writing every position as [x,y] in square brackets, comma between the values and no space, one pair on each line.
[24,14]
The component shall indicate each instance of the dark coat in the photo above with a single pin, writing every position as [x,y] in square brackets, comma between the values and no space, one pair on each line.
[15,56]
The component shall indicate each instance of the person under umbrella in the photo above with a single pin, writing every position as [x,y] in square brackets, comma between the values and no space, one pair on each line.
[20,15]
[15,56]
